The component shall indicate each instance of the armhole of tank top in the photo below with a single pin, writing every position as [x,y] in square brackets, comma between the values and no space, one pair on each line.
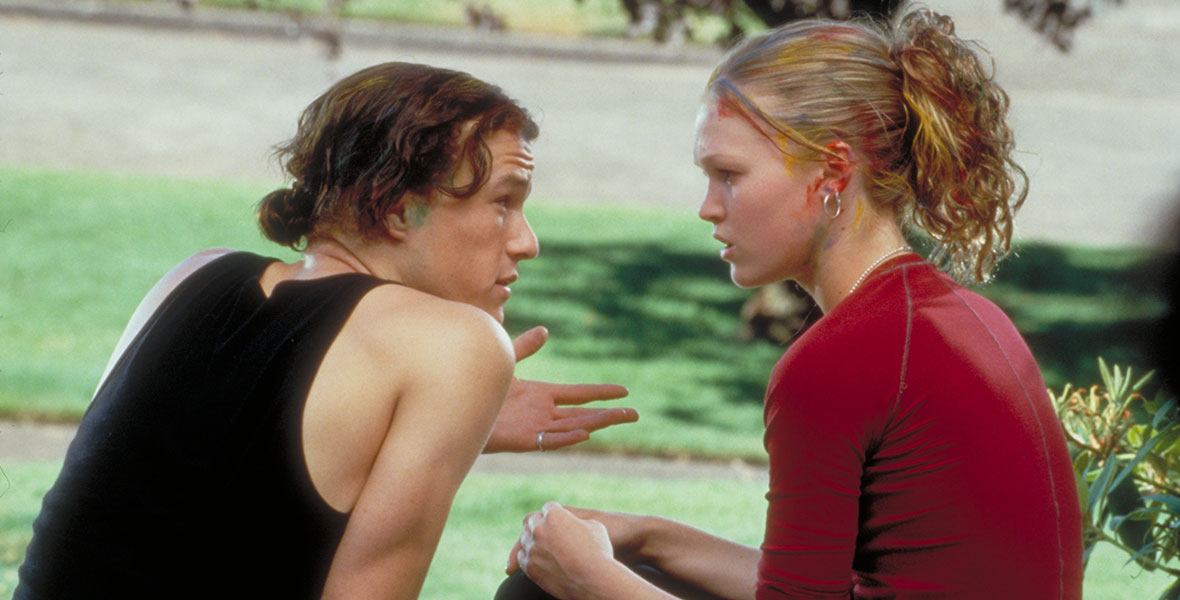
[301,469]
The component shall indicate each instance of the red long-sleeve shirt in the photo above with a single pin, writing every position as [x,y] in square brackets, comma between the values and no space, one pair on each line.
[915,453]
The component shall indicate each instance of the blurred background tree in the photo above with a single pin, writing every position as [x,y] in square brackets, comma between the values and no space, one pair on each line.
[676,21]
[668,20]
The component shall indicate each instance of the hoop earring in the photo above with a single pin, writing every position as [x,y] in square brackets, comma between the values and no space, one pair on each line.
[827,206]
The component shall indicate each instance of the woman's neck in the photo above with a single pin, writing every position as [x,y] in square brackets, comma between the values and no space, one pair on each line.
[850,260]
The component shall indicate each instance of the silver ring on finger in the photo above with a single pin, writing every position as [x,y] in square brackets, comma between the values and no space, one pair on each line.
[541,442]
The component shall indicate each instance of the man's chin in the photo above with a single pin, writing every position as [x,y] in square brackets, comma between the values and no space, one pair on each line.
[496,313]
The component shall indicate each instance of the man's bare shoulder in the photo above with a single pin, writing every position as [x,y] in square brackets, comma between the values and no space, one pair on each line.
[394,322]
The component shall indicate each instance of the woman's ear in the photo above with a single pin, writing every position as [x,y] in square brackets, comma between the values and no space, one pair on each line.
[837,166]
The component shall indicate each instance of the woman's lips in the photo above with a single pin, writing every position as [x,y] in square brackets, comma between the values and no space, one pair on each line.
[727,251]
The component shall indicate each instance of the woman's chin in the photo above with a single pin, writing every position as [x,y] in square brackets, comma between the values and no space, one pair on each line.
[747,280]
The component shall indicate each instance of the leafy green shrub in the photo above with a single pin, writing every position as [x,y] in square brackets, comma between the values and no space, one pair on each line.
[1126,451]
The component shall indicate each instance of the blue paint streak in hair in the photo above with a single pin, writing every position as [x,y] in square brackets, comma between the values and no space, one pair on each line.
[740,96]
[753,110]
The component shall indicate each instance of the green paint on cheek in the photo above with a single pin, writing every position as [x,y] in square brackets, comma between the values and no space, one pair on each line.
[416,215]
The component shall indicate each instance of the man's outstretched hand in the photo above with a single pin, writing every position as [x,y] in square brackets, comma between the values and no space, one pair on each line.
[554,408]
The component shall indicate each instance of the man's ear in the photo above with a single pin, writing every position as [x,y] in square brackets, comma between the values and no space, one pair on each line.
[395,226]
[837,166]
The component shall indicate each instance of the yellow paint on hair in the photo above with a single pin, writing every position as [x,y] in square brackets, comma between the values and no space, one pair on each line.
[783,143]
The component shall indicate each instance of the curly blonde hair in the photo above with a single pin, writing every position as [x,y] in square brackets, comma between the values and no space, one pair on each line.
[916,102]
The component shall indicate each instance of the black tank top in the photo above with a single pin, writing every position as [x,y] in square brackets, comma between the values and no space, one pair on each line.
[187,476]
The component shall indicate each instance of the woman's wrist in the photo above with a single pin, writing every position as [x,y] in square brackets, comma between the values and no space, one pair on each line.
[654,536]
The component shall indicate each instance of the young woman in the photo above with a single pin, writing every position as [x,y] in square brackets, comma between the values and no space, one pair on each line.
[272,430]
[914,452]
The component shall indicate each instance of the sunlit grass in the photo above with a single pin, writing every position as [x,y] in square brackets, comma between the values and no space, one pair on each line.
[485,521]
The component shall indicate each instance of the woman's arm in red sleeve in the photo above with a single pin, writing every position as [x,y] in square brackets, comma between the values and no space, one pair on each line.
[816,447]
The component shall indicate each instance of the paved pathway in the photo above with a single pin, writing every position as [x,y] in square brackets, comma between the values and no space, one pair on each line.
[27,442]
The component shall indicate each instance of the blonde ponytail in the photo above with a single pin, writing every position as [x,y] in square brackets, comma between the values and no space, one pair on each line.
[967,187]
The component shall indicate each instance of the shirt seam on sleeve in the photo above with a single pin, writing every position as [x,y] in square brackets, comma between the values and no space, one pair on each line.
[1040,429]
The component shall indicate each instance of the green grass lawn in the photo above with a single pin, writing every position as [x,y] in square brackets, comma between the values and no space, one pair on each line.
[486,517]
[635,296]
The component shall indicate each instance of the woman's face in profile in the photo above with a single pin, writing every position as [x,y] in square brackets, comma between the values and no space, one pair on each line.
[467,249]
[764,205]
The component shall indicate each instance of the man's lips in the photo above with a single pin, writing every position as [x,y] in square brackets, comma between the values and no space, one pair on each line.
[503,283]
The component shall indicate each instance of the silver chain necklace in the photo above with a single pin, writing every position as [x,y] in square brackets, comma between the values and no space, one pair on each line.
[876,264]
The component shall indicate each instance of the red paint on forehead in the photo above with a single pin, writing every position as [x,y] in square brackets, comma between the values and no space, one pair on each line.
[724,109]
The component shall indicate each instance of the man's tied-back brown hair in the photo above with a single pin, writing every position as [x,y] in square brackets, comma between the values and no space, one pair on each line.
[374,136]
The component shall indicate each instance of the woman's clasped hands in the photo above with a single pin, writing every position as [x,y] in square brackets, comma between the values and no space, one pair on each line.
[570,552]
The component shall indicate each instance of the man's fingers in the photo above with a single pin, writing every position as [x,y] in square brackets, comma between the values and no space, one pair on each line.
[527,343]
[594,419]
[576,429]
[561,439]
[581,393]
